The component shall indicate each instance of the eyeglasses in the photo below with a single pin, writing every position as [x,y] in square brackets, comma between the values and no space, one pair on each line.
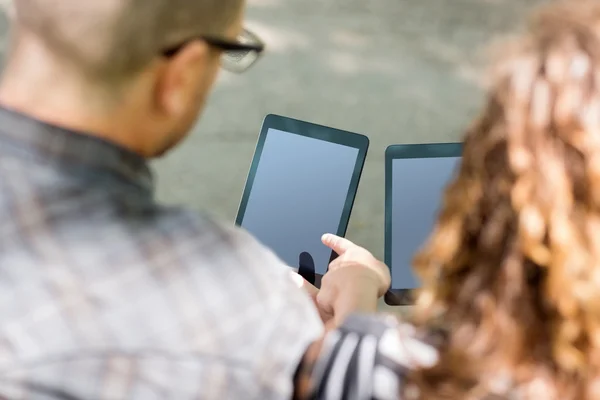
[238,55]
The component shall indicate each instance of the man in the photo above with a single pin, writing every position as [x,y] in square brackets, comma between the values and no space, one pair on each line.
[104,293]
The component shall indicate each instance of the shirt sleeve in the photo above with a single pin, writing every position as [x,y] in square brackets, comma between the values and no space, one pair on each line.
[181,307]
[368,358]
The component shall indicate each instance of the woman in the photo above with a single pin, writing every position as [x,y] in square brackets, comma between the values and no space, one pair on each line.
[512,271]
[511,274]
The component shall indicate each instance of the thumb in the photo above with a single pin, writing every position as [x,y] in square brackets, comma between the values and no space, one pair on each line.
[338,244]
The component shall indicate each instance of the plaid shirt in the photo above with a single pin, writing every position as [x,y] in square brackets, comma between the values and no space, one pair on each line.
[105,294]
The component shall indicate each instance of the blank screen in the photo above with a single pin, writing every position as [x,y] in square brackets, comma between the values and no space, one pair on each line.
[417,188]
[298,194]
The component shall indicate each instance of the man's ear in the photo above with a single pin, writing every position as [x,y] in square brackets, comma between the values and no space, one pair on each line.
[180,78]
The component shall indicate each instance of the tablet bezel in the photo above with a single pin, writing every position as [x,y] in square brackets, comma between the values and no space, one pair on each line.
[315,131]
[402,297]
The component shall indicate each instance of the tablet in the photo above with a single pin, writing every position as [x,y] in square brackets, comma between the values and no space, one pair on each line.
[416,176]
[302,184]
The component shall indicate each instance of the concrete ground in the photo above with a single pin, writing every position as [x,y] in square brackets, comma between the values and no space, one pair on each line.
[399,71]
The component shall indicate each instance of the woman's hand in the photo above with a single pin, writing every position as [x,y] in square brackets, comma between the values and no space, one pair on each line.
[351,254]
[354,282]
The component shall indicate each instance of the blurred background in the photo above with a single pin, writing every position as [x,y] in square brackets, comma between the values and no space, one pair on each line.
[399,71]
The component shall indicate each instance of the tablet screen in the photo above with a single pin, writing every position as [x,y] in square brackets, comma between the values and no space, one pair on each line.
[417,188]
[298,193]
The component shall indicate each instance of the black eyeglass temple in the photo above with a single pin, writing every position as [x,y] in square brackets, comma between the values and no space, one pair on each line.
[221,44]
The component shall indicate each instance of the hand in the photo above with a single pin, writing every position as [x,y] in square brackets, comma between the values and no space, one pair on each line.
[350,254]
[353,283]
[312,290]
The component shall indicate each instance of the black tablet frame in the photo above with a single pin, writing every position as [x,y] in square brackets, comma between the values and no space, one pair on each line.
[397,296]
[320,132]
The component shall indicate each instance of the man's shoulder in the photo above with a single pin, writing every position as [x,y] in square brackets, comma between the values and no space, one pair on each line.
[201,242]
[244,301]
[204,235]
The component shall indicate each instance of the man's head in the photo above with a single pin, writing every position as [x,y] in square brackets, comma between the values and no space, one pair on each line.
[102,66]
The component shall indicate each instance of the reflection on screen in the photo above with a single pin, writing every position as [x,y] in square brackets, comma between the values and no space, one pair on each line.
[417,188]
[298,194]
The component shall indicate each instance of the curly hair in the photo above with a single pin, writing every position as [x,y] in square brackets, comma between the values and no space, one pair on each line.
[512,269]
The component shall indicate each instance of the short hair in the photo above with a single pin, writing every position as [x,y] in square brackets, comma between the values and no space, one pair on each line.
[114,39]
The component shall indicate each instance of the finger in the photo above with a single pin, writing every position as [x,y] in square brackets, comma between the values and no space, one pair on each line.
[355,260]
[338,244]
[339,263]
[325,301]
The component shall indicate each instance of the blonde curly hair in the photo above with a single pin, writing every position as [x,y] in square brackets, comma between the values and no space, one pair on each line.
[512,269]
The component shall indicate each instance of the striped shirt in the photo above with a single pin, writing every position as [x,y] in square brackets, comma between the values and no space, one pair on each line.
[369,358]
